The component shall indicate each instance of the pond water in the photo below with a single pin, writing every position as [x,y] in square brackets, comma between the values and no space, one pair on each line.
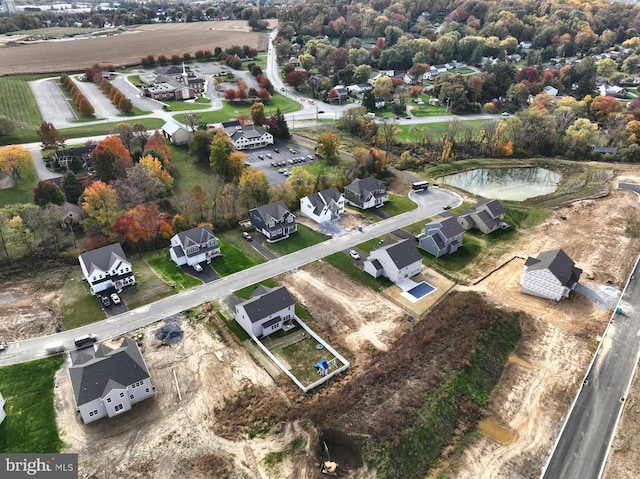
[511,184]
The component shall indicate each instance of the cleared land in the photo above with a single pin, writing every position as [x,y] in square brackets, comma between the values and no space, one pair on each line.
[127,47]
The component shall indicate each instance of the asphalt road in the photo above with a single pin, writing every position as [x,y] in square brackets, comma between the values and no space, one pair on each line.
[52,104]
[100,102]
[583,445]
[430,203]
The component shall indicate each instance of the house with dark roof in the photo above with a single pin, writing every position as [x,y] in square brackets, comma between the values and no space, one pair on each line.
[395,260]
[194,246]
[81,155]
[550,275]
[175,133]
[487,216]
[107,382]
[274,220]
[366,193]
[247,136]
[267,311]
[172,83]
[106,268]
[443,236]
[323,206]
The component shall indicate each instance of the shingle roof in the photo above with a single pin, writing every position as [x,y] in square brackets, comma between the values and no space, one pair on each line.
[449,227]
[94,373]
[558,263]
[103,258]
[364,186]
[273,210]
[403,253]
[322,198]
[266,304]
[494,206]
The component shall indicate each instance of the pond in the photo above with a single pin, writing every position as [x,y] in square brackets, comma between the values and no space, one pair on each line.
[511,184]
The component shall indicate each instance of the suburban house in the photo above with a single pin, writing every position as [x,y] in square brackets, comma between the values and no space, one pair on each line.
[341,93]
[248,136]
[551,275]
[80,155]
[487,216]
[274,220]
[106,268]
[366,193]
[175,133]
[108,382]
[395,260]
[443,236]
[323,206]
[612,90]
[268,310]
[194,246]
[359,90]
[2,413]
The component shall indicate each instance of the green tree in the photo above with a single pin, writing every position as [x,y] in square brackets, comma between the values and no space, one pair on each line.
[71,187]
[200,145]
[257,113]
[218,158]
[253,188]
[7,126]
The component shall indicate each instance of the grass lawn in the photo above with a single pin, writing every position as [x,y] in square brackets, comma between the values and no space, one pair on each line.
[30,425]
[17,102]
[22,191]
[187,172]
[166,269]
[232,111]
[234,260]
[105,128]
[247,291]
[405,132]
[185,106]
[302,357]
[302,239]
[234,239]
[150,285]
[233,326]
[458,261]
[398,205]
[344,263]
[79,306]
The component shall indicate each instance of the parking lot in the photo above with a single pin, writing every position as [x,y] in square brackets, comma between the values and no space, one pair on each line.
[276,160]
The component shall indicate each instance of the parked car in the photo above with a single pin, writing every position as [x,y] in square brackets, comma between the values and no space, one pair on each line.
[276,150]
[197,267]
[354,254]
[246,236]
[105,300]
[85,339]
[260,157]
[274,163]
[269,155]
[505,113]
[115,298]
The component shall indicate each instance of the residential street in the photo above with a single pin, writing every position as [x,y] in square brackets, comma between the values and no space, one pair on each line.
[430,202]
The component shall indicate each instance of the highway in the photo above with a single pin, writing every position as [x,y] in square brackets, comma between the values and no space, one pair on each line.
[582,448]
[430,203]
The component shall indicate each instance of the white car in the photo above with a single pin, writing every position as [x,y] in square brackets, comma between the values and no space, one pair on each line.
[197,267]
[354,254]
[115,298]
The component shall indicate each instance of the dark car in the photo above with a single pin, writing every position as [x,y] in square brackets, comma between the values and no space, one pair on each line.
[86,339]
[276,150]
[105,301]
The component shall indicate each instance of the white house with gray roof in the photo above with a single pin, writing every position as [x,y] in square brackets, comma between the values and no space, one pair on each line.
[550,275]
[487,216]
[107,382]
[274,220]
[443,236]
[106,268]
[266,312]
[194,246]
[323,206]
[395,260]
[366,193]
[247,136]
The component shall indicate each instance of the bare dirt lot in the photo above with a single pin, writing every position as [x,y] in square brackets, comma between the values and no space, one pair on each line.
[126,48]
[166,436]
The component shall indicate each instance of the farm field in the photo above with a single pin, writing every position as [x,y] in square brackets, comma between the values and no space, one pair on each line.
[126,48]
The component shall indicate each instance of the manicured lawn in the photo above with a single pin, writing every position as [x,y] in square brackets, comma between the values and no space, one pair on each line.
[426,109]
[234,239]
[233,326]
[471,248]
[185,106]
[22,191]
[232,111]
[30,425]
[79,306]
[405,132]
[344,263]
[302,357]
[302,239]
[234,260]
[398,204]
[247,291]
[105,128]
[17,102]
[169,272]
[150,285]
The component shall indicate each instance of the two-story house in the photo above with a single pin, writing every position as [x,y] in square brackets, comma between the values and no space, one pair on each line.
[396,260]
[443,236]
[106,268]
[487,216]
[268,310]
[366,193]
[247,136]
[274,220]
[194,246]
[323,206]
[550,275]
[107,382]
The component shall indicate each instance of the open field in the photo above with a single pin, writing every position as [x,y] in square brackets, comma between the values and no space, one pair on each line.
[128,47]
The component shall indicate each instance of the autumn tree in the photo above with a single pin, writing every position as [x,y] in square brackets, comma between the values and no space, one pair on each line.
[302,182]
[138,187]
[192,121]
[14,159]
[602,107]
[111,159]
[7,126]
[218,158]
[140,224]
[157,171]
[126,135]
[50,137]
[100,202]
[47,192]
[156,146]
[257,113]
[253,188]
[327,146]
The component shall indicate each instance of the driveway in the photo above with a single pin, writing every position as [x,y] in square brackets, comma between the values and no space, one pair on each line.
[207,275]
[257,241]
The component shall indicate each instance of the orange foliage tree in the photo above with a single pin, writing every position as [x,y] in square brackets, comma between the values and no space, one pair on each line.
[111,159]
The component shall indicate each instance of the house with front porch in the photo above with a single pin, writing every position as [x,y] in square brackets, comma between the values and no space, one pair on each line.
[395,260]
[108,382]
[550,275]
[366,193]
[274,220]
[267,311]
[194,246]
[247,136]
[323,206]
[106,268]
[443,236]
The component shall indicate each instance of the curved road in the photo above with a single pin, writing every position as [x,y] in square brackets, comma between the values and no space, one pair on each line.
[430,203]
